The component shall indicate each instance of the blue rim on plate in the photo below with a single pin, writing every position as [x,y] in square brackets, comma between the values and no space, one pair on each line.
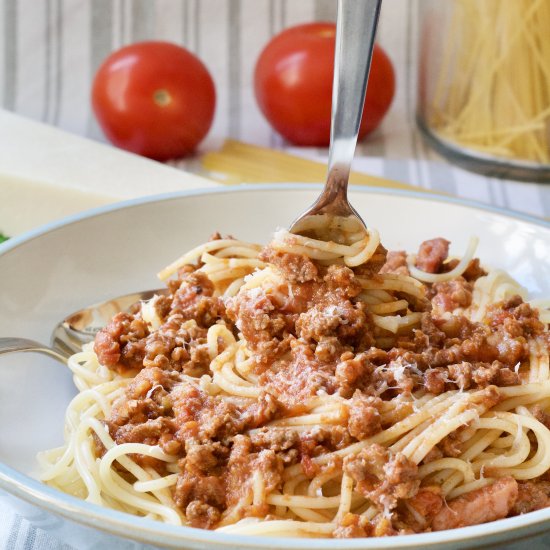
[146,530]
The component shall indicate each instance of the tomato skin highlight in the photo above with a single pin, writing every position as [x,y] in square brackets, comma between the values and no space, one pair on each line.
[155,99]
[293,84]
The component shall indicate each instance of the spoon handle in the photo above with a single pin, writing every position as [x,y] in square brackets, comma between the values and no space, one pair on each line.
[11,345]
[355,32]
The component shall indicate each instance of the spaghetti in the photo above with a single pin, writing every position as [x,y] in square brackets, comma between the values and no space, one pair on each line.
[314,388]
[492,91]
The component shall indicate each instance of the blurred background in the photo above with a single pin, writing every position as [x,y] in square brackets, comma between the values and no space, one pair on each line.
[51,49]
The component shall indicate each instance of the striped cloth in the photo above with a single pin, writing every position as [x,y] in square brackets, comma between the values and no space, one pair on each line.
[50,50]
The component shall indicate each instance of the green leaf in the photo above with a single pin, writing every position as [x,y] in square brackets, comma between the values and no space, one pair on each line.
[3,238]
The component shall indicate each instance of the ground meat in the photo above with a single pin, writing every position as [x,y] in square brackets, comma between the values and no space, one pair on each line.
[148,432]
[194,486]
[202,515]
[320,440]
[243,465]
[201,482]
[352,526]
[194,300]
[509,351]
[434,336]
[374,265]
[532,495]
[125,343]
[495,374]
[397,375]
[541,415]
[295,267]
[450,295]
[432,254]
[463,354]
[120,344]
[353,372]
[364,416]
[486,504]
[515,318]
[478,344]
[383,476]
[461,374]
[474,271]
[178,344]
[434,380]
[427,503]
[328,349]
[396,262]
[341,282]
[349,323]
[107,346]
[260,411]
[147,379]
[264,328]
[301,377]
[203,417]
[205,458]
[275,439]
[162,304]
[452,444]
[144,414]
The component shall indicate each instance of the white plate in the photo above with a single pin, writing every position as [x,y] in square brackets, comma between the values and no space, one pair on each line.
[118,249]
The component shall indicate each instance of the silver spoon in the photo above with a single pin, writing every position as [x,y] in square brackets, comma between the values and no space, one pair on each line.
[80,327]
[77,329]
[356,28]
[355,31]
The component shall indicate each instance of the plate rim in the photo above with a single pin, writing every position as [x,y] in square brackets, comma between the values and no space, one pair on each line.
[37,493]
[17,240]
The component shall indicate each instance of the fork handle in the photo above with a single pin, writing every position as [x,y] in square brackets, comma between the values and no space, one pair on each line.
[355,32]
[11,345]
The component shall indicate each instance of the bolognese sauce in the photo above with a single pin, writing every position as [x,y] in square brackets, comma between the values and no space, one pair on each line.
[313,334]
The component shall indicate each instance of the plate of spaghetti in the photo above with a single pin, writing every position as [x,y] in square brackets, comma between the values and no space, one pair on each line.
[389,390]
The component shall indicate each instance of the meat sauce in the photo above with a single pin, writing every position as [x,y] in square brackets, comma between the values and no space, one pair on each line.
[315,336]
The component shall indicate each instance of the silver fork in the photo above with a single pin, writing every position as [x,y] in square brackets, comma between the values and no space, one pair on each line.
[355,31]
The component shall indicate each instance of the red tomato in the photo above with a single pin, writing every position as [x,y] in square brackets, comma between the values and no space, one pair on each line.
[293,84]
[155,99]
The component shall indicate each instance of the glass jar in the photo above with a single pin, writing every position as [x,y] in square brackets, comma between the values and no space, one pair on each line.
[484,85]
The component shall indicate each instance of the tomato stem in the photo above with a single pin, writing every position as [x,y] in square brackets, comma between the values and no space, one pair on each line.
[162,98]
